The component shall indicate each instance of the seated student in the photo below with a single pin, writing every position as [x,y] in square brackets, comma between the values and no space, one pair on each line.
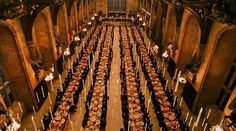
[46,120]
[73,108]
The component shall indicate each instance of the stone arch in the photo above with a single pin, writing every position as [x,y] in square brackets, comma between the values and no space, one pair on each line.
[8,52]
[222,58]
[189,40]
[157,24]
[171,25]
[12,60]
[73,18]
[62,24]
[219,57]
[41,37]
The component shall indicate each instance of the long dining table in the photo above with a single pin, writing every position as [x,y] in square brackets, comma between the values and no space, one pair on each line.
[137,117]
[171,122]
[98,101]
[60,116]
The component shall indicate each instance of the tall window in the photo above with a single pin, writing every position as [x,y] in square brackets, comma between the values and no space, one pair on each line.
[116,6]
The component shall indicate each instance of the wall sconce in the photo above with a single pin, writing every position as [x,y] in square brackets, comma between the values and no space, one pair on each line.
[182,80]
[138,15]
[77,38]
[93,18]
[217,128]
[49,73]
[49,76]
[144,24]
[89,23]
[165,54]
[67,52]
[95,14]
[140,19]
[84,29]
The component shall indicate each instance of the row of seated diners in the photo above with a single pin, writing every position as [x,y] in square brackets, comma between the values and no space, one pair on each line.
[73,84]
[167,114]
[96,101]
[134,113]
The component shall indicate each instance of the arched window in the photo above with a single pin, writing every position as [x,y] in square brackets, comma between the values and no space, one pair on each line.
[116,7]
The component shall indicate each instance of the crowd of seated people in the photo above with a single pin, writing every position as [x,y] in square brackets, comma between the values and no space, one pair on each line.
[67,99]
[96,101]
[134,113]
[167,113]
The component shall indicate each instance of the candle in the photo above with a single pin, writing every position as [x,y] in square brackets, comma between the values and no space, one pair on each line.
[186,118]
[18,117]
[146,127]
[203,122]
[191,118]
[42,91]
[164,71]
[148,106]
[72,128]
[6,126]
[37,96]
[198,117]
[34,110]
[166,85]
[34,125]
[208,114]
[76,51]
[176,70]
[49,97]
[181,101]
[129,126]
[42,124]
[222,120]
[175,98]
[50,110]
[60,82]
[177,82]
[205,127]
[69,118]
[72,69]
[161,129]
[52,85]
[193,128]
[20,107]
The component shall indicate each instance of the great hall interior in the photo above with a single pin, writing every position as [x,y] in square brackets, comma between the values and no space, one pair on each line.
[118,65]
